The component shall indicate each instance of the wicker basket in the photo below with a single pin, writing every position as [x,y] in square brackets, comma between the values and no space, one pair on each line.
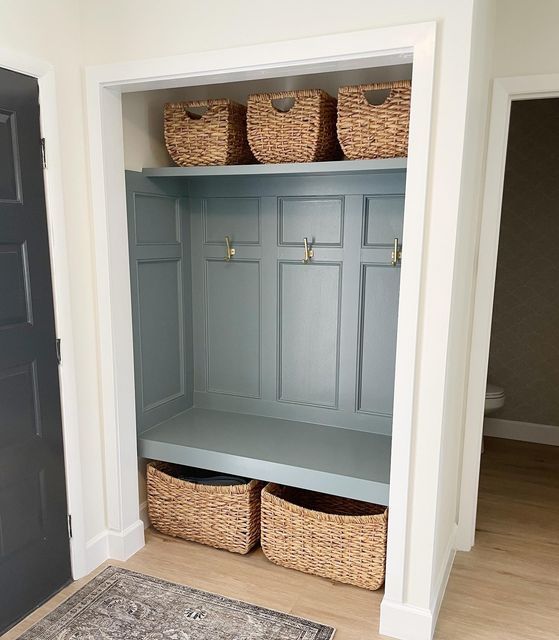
[337,538]
[216,137]
[304,133]
[374,131]
[223,517]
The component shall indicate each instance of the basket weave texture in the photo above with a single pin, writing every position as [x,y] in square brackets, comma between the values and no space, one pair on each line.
[368,131]
[217,137]
[337,538]
[225,517]
[304,133]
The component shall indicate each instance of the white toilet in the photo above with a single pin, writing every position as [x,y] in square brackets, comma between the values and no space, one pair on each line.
[494,398]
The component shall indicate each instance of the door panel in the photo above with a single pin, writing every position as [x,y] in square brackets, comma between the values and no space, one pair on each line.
[14,285]
[378,330]
[10,177]
[309,319]
[233,327]
[34,544]
[238,218]
[161,331]
[384,220]
[156,219]
[317,218]
[19,402]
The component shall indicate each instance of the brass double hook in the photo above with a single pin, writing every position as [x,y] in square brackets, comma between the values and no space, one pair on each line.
[229,250]
[309,253]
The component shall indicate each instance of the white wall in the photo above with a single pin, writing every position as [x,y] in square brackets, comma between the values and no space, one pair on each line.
[50,31]
[465,261]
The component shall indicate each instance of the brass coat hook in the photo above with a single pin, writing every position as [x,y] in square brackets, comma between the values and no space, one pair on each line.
[396,253]
[229,250]
[309,253]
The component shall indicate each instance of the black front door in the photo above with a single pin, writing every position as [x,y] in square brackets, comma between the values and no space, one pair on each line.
[34,544]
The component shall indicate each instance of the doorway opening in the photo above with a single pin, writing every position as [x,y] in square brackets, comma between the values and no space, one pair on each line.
[517,513]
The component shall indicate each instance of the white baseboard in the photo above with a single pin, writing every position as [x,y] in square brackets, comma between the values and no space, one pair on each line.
[124,544]
[407,622]
[404,621]
[114,545]
[96,551]
[144,516]
[443,577]
[525,431]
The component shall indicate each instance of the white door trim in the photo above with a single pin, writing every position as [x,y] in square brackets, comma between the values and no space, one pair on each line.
[104,85]
[505,90]
[44,73]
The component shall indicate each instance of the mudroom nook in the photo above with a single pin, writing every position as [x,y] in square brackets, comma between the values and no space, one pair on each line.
[264,316]
[265,362]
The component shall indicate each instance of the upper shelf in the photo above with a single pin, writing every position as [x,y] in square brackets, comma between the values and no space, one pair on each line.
[338,167]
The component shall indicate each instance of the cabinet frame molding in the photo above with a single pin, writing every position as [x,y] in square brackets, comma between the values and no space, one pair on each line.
[104,86]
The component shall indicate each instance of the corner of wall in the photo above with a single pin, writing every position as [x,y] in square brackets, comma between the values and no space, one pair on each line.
[407,622]
[114,545]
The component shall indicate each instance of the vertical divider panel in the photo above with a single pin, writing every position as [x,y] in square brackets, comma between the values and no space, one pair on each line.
[186,251]
[198,294]
[353,226]
[269,297]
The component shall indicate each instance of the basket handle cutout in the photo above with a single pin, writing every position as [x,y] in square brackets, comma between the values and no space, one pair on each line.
[283,105]
[376,97]
[196,113]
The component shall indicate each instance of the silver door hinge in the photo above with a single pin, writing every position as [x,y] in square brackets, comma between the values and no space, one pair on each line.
[44,152]
[70,532]
[58,351]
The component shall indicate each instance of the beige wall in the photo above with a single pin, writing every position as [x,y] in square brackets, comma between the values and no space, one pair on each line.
[50,31]
[526,39]
[524,355]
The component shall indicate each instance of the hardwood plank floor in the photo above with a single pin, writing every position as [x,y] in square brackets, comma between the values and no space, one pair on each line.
[506,588]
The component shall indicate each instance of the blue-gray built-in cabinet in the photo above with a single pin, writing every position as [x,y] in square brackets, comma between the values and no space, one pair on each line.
[267,361]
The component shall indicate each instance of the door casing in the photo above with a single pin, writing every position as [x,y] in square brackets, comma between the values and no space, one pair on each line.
[505,90]
[44,72]
[104,86]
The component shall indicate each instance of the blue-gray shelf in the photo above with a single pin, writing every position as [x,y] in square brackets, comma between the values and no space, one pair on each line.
[344,462]
[338,167]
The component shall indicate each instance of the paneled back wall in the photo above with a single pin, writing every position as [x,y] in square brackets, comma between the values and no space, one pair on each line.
[277,337]
[265,333]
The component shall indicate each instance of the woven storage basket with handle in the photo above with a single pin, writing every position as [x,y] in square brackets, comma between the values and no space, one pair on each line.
[337,538]
[216,137]
[304,133]
[367,130]
[226,517]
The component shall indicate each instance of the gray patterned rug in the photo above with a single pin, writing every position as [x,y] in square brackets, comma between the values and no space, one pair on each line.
[123,605]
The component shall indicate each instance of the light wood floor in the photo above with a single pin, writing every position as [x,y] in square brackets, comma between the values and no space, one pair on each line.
[507,588]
